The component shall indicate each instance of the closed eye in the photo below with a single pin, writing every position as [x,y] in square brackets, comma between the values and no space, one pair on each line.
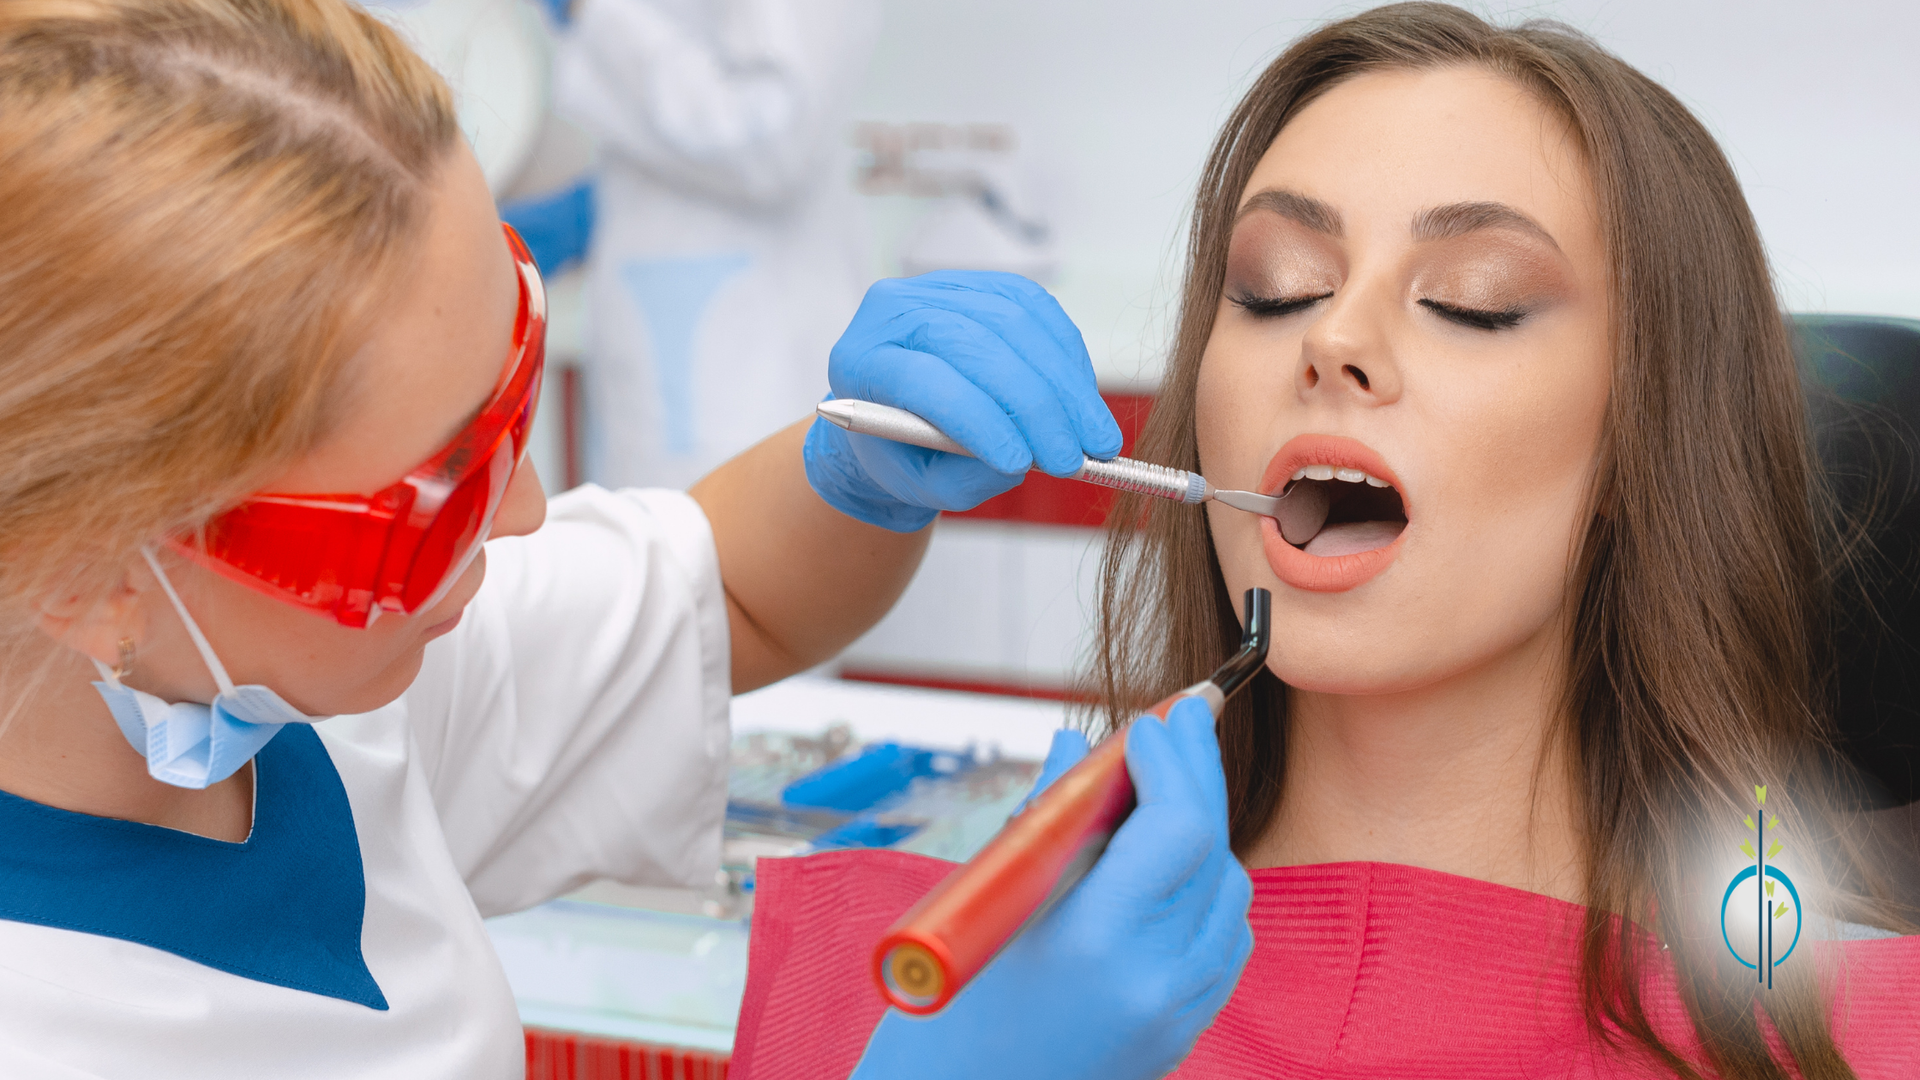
[1475,317]
[1276,306]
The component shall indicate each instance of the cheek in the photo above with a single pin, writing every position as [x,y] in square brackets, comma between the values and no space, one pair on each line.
[330,670]
[1239,405]
[319,666]
[356,671]
[1521,477]
[1211,412]
[1240,398]
[1492,558]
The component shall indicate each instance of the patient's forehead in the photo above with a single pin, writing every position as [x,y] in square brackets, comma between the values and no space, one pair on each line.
[1382,147]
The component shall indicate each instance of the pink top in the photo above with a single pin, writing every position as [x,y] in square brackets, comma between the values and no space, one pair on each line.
[1361,970]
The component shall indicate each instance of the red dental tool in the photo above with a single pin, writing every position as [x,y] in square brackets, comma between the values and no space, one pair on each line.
[1039,856]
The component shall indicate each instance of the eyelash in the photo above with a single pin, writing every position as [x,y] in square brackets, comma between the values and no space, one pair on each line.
[1476,318]
[1273,307]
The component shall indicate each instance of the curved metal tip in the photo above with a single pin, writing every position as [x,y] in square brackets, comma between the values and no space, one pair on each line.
[1256,635]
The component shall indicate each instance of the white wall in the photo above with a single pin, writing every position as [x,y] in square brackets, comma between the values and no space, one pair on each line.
[1117,100]
[994,602]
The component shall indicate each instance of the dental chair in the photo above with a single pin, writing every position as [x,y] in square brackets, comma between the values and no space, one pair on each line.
[1862,377]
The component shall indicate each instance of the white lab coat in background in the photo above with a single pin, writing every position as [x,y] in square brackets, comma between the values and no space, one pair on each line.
[572,727]
[729,250]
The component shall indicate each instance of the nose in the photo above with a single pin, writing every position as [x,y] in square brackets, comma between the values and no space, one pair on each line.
[524,506]
[1348,355]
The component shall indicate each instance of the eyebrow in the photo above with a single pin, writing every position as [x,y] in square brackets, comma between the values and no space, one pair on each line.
[1458,219]
[1312,213]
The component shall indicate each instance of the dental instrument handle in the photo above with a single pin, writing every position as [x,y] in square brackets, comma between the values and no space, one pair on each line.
[943,941]
[1122,474]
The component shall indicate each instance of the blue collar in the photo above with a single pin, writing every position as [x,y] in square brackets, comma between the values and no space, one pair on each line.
[284,907]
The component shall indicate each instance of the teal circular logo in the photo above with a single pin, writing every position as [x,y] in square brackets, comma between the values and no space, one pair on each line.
[1767,907]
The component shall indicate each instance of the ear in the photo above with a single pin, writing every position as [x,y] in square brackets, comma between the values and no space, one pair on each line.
[95,625]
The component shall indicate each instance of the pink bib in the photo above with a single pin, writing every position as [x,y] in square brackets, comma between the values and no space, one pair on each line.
[1362,970]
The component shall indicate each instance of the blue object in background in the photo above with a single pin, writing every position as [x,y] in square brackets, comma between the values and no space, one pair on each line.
[556,227]
[864,832]
[561,11]
[672,294]
[880,772]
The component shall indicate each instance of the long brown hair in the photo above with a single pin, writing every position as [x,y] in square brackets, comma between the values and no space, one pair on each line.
[1694,669]
[205,202]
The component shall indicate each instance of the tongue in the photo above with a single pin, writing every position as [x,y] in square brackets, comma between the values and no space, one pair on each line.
[1352,537]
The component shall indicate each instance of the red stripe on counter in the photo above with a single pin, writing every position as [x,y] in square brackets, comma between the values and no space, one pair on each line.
[1049,500]
[965,686]
[567,1055]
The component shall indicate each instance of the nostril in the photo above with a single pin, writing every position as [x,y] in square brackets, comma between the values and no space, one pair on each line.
[1312,376]
[1358,376]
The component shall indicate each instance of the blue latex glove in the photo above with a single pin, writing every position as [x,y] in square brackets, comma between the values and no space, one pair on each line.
[1066,750]
[988,358]
[1120,979]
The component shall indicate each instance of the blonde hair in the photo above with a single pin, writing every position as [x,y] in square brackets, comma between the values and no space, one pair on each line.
[205,201]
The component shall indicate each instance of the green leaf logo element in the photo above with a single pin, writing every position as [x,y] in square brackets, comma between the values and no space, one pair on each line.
[1774,849]
[1760,794]
[1769,890]
[1747,821]
[1746,849]
[1779,911]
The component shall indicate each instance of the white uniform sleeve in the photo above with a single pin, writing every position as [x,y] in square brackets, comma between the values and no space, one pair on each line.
[574,726]
[728,99]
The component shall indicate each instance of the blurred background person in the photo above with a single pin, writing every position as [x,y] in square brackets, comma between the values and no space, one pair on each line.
[728,247]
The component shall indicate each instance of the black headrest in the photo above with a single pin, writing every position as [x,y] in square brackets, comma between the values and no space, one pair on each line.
[1862,377]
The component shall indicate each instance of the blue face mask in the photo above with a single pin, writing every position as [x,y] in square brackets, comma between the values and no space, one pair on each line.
[188,744]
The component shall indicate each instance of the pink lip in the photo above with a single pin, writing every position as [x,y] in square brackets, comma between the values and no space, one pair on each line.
[1336,573]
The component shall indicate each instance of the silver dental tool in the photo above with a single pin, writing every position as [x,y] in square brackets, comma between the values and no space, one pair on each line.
[1299,512]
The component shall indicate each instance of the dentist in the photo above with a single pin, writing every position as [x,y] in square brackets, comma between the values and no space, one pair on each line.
[270,366]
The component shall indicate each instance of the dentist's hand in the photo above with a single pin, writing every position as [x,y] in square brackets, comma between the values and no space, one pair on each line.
[988,358]
[1120,979]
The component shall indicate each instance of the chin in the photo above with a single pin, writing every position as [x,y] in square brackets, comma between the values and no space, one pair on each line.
[1322,674]
[1472,643]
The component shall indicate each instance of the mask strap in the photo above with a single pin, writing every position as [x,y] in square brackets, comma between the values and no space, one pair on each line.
[106,674]
[193,629]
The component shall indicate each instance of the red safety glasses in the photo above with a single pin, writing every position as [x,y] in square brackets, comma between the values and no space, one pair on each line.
[351,557]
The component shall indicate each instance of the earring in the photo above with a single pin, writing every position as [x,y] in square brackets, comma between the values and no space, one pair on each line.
[125,667]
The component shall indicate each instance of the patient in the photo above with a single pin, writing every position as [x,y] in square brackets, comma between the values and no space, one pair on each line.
[1498,298]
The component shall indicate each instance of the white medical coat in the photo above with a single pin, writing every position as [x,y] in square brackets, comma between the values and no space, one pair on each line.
[572,727]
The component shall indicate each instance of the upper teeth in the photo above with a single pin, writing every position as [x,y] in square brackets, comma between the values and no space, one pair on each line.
[1328,472]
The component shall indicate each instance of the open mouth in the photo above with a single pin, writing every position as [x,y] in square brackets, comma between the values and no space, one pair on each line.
[1332,510]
